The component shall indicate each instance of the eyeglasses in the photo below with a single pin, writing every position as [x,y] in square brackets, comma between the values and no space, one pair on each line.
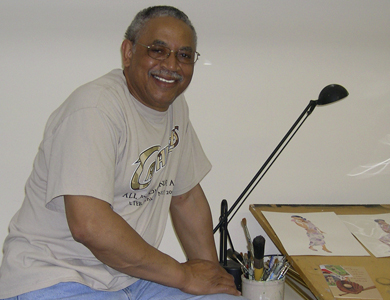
[161,53]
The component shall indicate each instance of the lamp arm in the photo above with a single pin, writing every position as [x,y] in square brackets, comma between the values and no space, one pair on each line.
[306,112]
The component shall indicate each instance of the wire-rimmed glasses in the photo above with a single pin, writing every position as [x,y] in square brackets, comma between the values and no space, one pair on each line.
[160,52]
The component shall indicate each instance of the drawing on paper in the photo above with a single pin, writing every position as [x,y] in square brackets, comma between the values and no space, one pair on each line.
[373,231]
[386,228]
[315,235]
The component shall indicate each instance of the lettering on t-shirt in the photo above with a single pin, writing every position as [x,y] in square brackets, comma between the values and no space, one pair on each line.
[165,187]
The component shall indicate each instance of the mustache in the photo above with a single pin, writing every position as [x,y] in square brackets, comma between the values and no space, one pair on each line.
[163,72]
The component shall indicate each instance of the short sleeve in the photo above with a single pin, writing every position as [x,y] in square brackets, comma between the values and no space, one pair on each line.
[193,166]
[80,157]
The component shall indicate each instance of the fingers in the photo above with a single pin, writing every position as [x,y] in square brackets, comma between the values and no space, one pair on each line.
[205,277]
[226,286]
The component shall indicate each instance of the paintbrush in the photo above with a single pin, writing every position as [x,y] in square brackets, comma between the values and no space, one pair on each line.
[248,237]
[258,252]
[250,248]
[235,257]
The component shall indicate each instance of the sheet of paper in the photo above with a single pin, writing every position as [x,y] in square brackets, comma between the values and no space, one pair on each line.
[314,234]
[373,231]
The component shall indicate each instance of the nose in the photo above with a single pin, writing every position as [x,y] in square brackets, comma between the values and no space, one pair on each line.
[171,62]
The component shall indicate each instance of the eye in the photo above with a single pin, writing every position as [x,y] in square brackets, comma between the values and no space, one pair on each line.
[158,49]
[158,52]
[185,55]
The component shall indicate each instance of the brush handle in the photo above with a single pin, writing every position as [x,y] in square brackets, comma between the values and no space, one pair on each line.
[249,240]
[258,274]
[258,268]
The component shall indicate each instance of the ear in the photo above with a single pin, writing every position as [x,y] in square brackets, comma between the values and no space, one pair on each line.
[127,52]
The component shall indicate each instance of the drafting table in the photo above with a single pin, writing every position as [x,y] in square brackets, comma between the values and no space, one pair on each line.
[306,267]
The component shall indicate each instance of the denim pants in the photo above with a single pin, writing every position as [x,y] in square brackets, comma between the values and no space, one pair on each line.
[141,290]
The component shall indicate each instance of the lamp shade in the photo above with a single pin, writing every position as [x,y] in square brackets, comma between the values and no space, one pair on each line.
[332,93]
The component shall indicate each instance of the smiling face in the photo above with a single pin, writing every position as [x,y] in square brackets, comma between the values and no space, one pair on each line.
[157,83]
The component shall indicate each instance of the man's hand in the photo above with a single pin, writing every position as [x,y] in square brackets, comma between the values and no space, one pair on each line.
[205,277]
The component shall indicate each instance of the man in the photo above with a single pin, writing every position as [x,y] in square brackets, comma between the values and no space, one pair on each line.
[116,157]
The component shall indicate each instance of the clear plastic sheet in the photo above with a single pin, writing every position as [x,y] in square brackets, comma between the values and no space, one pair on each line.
[373,231]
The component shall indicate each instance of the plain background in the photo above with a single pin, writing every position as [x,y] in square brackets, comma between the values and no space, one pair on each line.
[261,62]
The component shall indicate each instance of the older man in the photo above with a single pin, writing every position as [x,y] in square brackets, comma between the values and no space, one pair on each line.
[116,157]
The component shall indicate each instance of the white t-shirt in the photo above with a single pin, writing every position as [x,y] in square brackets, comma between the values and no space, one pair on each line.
[100,142]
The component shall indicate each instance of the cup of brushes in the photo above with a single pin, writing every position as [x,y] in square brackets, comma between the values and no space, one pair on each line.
[262,278]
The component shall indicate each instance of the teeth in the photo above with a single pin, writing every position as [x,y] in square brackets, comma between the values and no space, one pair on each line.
[164,80]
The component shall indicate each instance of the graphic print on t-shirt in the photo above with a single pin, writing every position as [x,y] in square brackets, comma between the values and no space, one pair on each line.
[152,160]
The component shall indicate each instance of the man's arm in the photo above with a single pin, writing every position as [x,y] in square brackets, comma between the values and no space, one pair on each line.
[114,242]
[191,217]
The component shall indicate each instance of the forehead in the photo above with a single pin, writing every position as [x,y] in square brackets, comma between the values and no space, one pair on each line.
[173,32]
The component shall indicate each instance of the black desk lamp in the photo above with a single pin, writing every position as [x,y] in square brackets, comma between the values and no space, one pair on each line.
[329,94]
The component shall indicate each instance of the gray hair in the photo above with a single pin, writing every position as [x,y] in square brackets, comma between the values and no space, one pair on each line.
[133,31]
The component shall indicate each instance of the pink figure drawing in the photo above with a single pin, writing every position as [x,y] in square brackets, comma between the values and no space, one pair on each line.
[315,235]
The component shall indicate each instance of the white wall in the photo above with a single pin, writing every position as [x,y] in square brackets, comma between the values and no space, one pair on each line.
[261,62]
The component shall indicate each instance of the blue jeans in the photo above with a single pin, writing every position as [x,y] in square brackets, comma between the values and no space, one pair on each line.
[141,290]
